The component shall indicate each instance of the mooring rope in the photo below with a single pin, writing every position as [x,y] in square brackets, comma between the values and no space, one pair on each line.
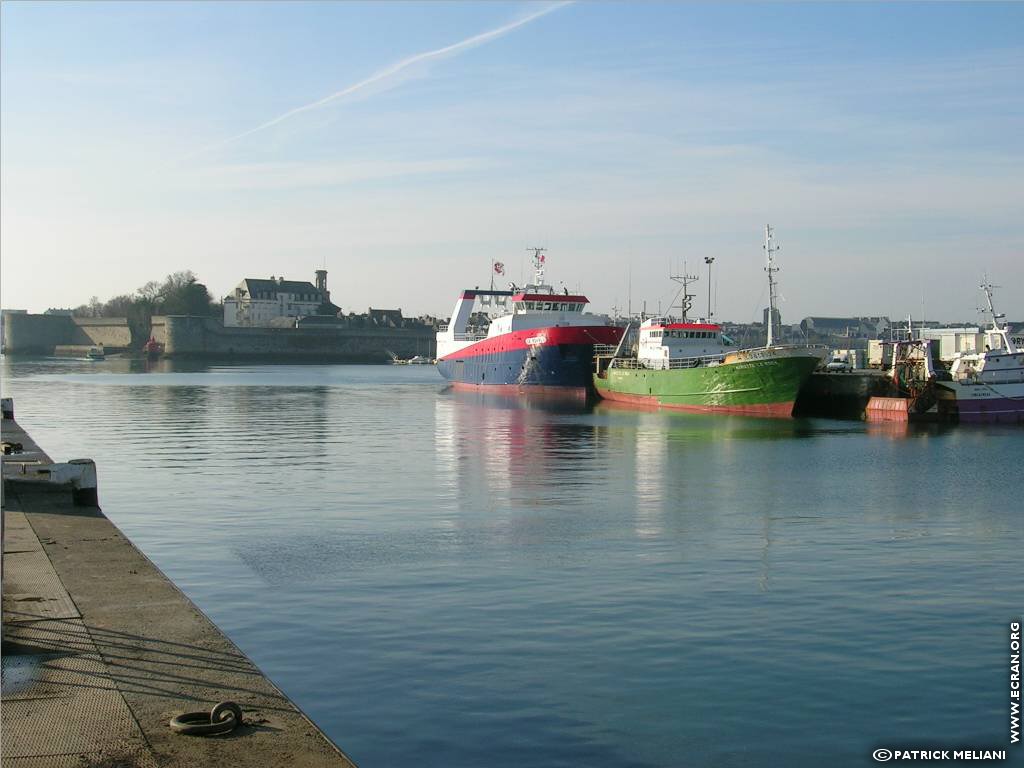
[223,718]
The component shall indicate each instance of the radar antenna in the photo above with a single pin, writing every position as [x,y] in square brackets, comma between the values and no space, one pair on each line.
[685,297]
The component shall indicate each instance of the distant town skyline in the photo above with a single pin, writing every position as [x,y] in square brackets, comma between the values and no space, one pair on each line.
[407,146]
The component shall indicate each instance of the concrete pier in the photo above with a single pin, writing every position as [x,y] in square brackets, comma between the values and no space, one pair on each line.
[101,650]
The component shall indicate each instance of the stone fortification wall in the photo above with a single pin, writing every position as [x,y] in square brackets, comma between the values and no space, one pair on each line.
[41,334]
[111,332]
[185,335]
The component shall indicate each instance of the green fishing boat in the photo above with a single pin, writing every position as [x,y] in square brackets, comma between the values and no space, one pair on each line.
[691,366]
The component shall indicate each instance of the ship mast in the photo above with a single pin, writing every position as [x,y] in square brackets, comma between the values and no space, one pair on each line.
[1007,342]
[770,248]
[538,264]
[686,299]
[987,288]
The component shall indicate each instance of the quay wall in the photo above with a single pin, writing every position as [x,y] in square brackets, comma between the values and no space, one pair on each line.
[184,335]
[41,334]
[85,612]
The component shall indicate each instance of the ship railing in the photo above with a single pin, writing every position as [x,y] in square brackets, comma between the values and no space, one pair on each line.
[471,336]
[661,365]
[765,353]
[754,353]
[605,350]
[695,362]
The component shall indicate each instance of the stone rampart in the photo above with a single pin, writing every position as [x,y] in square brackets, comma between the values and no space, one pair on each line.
[41,334]
[184,335]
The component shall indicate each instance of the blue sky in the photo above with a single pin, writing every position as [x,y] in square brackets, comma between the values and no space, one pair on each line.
[884,142]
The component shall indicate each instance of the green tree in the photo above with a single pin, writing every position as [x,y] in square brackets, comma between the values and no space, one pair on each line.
[180,293]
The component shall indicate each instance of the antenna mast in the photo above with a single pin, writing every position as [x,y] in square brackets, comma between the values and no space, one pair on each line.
[770,248]
[987,287]
[538,264]
[686,300]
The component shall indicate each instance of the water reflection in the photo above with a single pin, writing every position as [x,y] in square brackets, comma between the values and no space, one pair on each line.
[509,581]
[521,447]
[651,460]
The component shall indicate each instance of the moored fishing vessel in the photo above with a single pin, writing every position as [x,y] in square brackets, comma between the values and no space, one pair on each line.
[986,387]
[522,339]
[688,366]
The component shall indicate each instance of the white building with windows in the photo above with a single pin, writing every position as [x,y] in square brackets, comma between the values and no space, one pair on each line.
[257,303]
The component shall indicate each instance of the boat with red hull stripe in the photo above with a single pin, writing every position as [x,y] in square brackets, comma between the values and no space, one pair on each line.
[535,338]
[523,338]
[689,366]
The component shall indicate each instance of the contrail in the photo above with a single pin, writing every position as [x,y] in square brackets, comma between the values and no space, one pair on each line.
[394,69]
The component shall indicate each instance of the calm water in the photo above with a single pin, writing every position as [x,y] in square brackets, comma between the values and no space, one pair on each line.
[439,579]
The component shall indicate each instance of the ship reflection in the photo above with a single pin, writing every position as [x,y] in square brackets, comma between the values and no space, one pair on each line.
[518,445]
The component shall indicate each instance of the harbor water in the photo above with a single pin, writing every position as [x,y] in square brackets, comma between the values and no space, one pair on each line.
[440,578]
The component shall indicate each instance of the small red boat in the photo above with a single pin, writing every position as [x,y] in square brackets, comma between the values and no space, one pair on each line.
[152,348]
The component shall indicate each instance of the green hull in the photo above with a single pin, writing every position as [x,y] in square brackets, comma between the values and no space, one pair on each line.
[763,387]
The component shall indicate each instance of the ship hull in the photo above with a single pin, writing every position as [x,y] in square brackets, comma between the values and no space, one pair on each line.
[555,359]
[987,403]
[752,388]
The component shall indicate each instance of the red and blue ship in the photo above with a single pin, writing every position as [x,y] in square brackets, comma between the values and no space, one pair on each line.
[530,339]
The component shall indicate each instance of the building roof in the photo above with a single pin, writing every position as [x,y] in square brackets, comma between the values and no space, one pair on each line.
[841,322]
[255,285]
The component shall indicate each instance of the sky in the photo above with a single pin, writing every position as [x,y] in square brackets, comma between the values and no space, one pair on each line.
[406,146]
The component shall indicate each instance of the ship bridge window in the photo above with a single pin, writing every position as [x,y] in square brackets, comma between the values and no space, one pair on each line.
[547,306]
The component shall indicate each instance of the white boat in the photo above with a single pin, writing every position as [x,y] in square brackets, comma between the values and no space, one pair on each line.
[988,386]
[96,353]
[417,360]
